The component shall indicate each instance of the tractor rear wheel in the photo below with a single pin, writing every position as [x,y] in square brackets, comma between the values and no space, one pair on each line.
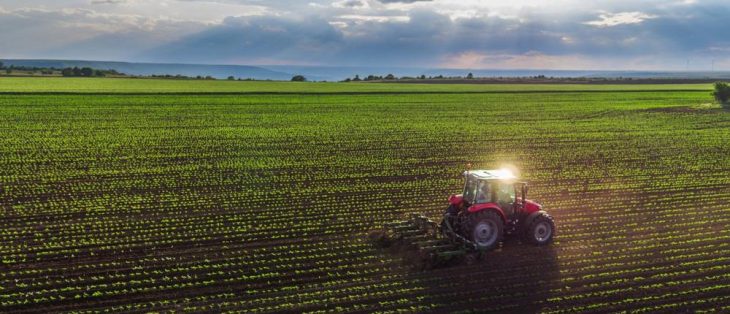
[541,230]
[486,229]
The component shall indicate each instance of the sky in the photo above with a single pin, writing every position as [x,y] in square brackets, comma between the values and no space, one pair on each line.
[668,35]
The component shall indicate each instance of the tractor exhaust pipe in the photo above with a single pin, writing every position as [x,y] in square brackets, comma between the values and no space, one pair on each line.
[524,194]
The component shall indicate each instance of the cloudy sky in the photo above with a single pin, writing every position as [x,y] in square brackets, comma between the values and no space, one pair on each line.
[515,34]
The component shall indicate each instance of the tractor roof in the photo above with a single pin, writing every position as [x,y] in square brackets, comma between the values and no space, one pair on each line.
[496,174]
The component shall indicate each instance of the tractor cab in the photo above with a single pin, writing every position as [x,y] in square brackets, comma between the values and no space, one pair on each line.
[491,186]
[499,189]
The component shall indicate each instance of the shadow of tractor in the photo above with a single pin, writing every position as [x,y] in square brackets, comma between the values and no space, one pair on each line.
[516,277]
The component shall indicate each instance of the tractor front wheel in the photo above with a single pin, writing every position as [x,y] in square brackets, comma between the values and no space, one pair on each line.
[486,229]
[541,230]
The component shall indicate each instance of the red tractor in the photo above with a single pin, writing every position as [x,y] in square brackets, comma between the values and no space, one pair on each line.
[493,203]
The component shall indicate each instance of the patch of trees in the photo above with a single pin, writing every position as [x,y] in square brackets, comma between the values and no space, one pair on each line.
[298,78]
[722,92]
[88,72]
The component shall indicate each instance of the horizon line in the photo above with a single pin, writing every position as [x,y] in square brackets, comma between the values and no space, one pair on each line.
[366,66]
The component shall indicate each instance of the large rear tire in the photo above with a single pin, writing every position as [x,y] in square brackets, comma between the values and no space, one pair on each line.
[486,229]
[541,230]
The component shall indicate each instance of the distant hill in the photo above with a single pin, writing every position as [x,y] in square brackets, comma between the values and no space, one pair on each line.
[217,71]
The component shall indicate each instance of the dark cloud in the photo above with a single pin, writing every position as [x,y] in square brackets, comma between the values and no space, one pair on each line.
[107,1]
[256,38]
[402,1]
[353,3]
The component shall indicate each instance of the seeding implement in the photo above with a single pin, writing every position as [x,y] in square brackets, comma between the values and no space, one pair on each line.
[493,203]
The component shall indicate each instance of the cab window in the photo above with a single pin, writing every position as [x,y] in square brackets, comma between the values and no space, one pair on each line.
[469,190]
[484,193]
[505,193]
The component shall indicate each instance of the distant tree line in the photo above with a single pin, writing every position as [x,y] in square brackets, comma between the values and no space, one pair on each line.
[91,72]
[391,77]
[197,77]
[471,76]
[178,77]
[70,71]
[10,68]
[88,72]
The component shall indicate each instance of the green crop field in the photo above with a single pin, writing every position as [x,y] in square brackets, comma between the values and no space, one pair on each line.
[126,85]
[160,195]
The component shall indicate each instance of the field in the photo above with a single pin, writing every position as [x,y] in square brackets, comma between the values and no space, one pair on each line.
[153,195]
